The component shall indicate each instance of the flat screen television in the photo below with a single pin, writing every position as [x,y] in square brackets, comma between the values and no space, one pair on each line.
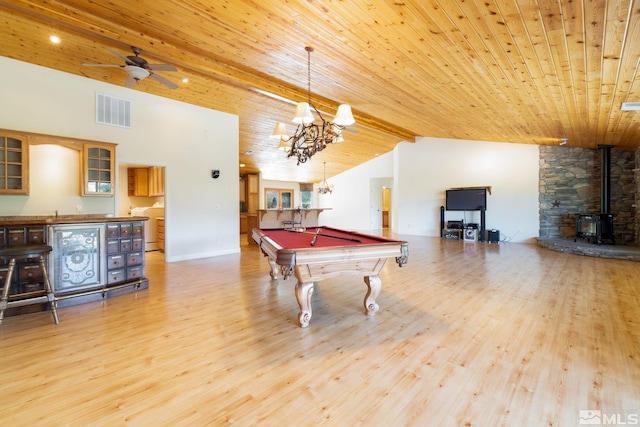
[467,199]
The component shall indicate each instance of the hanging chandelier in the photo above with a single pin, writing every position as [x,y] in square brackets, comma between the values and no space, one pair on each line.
[309,137]
[324,187]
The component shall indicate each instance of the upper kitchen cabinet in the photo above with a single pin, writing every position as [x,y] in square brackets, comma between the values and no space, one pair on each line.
[156,181]
[146,182]
[14,164]
[98,169]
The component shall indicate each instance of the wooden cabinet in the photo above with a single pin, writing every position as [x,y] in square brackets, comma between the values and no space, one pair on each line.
[252,199]
[160,235]
[145,182]
[243,224]
[252,222]
[156,181]
[138,182]
[14,164]
[98,166]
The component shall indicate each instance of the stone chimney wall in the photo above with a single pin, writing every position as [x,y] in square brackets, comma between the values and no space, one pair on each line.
[570,184]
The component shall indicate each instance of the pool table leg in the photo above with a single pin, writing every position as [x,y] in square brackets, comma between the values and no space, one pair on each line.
[274,268]
[374,285]
[304,290]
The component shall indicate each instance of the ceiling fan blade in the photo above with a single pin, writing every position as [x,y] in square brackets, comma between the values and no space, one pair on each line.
[119,55]
[101,65]
[163,67]
[130,81]
[169,84]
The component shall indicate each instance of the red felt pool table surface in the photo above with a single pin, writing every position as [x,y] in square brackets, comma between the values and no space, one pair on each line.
[327,237]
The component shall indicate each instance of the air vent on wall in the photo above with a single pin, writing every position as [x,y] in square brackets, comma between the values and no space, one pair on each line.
[113,111]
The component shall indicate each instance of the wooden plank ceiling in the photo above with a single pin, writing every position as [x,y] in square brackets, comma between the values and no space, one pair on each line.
[521,71]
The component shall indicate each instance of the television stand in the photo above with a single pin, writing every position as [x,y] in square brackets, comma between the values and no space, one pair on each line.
[481,233]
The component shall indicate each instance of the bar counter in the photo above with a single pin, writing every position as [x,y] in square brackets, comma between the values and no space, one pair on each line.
[94,257]
[282,218]
[60,219]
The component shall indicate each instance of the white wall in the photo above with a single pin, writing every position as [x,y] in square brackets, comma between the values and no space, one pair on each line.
[350,201]
[55,186]
[201,212]
[432,165]
[423,170]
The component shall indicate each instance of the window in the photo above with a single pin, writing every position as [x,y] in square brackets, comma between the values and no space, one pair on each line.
[305,199]
[278,198]
[306,195]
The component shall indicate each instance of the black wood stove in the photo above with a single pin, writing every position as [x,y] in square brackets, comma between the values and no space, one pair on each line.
[598,227]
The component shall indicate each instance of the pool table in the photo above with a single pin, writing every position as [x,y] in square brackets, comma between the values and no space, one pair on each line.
[313,254]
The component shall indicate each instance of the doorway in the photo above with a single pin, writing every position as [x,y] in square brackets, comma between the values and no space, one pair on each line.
[141,192]
[380,206]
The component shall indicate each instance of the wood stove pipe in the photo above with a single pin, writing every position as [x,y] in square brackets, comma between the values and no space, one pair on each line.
[605,178]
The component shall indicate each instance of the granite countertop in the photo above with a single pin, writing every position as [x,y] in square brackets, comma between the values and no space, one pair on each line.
[65,219]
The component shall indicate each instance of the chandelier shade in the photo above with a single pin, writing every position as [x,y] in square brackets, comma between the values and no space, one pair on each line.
[309,137]
[280,132]
[303,114]
[344,116]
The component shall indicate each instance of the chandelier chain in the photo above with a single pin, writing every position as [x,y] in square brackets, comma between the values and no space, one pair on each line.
[309,50]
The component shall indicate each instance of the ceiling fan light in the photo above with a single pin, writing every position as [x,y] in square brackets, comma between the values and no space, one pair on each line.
[344,116]
[303,114]
[136,72]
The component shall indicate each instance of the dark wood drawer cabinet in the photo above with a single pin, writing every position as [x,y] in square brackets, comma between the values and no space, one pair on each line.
[115,261]
[115,276]
[135,272]
[27,276]
[35,235]
[125,245]
[137,244]
[125,250]
[16,236]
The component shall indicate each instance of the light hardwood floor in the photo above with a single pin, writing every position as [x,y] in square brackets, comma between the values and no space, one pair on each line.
[469,334]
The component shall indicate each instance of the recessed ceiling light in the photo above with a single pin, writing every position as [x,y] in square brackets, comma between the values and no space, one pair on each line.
[242,165]
[248,152]
[185,80]
[54,39]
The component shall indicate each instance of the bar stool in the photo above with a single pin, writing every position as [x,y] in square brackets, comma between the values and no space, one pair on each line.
[288,225]
[17,253]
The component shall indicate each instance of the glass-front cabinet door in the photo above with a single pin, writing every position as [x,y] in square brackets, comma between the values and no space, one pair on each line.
[14,164]
[98,170]
[77,255]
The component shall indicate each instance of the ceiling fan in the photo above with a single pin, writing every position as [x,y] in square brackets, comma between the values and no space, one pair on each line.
[138,68]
